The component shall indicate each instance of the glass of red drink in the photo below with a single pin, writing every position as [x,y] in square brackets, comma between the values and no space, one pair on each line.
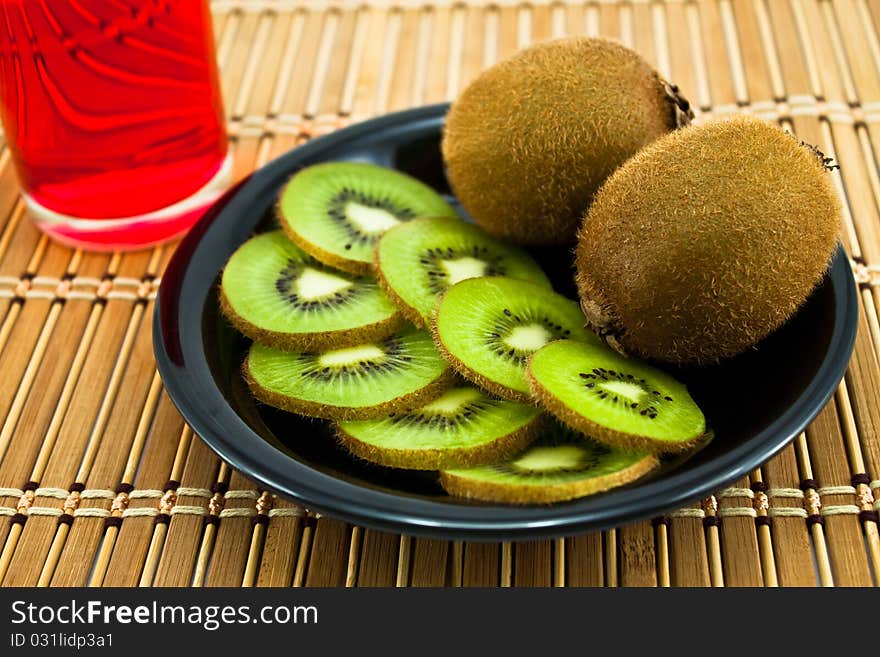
[113,113]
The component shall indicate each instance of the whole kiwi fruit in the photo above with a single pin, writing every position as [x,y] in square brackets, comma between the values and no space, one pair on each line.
[529,141]
[706,241]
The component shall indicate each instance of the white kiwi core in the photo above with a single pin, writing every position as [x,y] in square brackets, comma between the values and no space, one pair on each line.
[350,356]
[313,284]
[463,268]
[548,459]
[529,337]
[370,220]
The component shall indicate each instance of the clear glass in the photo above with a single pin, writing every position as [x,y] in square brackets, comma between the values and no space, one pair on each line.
[113,113]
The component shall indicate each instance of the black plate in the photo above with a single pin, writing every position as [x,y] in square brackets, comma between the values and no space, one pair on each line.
[756,403]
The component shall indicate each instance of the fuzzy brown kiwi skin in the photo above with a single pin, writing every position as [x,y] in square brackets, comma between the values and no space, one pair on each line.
[404,308]
[618,439]
[438,459]
[331,259]
[704,303]
[471,375]
[418,397]
[511,494]
[600,317]
[319,341]
[491,144]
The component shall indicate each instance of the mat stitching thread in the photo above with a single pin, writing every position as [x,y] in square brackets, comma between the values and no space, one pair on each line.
[836,490]
[840,510]
[736,492]
[242,495]
[106,494]
[237,513]
[57,493]
[183,509]
[787,511]
[184,491]
[737,512]
[145,494]
[295,512]
[786,493]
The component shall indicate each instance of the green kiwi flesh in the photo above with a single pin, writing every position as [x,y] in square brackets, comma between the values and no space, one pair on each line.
[362,382]
[560,465]
[619,401]
[419,260]
[461,428]
[706,241]
[336,211]
[488,327]
[278,295]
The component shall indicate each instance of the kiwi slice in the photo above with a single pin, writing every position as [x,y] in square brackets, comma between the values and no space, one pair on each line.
[337,210]
[419,260]
[488,327]
[560,465]
[274,293]
[361,382]
[619,401]
[461,428]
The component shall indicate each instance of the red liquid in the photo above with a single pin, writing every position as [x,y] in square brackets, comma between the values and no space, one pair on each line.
[112,109]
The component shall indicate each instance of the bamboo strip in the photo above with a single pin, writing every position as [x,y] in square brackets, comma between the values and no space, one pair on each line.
[403,83]
[181,544]
[209,536]
[255,553]
[321,63]
[329,554]
[609,20]
[752,58]
[377,561]
[532,565]
[765,538]
[404,562]
[791,537]
[338,64]
[253,71]
[559,562]
[689,564]
[739,537]
[160,529]
[305,546]
[481,564]
[430,561]
[812,504]
[506,564]
[636,547]
[457,565]
[584,560]
[292,34]
[610,561]
[661,540]
[234,533]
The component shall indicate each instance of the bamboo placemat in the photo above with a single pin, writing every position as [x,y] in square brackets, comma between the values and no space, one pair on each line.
[101,483]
